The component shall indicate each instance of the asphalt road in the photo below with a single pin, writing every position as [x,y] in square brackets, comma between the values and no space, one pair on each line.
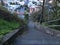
[34,37]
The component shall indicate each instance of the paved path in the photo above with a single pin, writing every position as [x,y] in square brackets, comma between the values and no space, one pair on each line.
[33,37]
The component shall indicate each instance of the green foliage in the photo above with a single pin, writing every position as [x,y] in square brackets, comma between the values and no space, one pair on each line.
[53,16]
[26,17]
[6,26]
[49,24]
[35,16]
[3,9]
[8,21]
[6,15]
[56,27]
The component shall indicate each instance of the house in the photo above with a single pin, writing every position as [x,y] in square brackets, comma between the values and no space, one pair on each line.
[33,5]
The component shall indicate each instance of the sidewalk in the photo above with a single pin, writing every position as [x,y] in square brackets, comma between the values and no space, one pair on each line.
[47,30]
[34,37]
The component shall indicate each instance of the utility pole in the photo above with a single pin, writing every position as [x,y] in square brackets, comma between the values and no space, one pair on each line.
[56,7]
[42,12]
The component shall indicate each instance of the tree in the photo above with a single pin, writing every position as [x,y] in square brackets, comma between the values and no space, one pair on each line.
[2,2]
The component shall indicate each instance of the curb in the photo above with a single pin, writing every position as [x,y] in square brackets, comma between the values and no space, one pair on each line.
[47,30]
[8,38]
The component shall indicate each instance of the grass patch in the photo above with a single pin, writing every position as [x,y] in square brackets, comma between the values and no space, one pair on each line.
[6,27]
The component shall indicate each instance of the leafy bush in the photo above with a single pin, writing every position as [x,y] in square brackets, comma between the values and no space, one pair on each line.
[8,21]
[6,15]
[3,9]
[57,27]
[49,24]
